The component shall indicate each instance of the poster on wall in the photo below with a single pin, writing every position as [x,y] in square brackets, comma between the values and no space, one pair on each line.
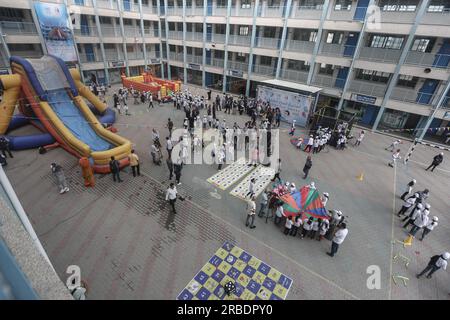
[54,23]
[293,106]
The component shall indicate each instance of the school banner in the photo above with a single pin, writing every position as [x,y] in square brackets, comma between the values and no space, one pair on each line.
[293,106]
[55,27]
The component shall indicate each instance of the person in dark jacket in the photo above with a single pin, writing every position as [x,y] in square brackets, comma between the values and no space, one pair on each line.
[436,161]
[4,147]
[307,166]
[114,166]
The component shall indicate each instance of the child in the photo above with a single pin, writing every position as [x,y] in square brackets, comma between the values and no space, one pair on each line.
[292,131]
[323,229]
[288,226]
[299,143]
[125,108]
[307,227]
[297,224]
[314,228]
[429,227]
[395,157]
[58,173]
[316,145]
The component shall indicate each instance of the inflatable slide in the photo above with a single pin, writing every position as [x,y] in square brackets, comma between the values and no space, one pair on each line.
[56,96]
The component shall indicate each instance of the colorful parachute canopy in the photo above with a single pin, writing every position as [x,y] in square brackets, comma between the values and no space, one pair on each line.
[306,202]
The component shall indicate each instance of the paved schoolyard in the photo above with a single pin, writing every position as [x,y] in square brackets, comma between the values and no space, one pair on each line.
[129,245]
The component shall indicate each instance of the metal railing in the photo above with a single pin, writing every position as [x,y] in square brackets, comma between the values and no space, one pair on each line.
[135,55]
[427,59]
[149,9]
[220,11]
[242,12]
[237,65]
[114,56]
[294,75]
[86,31]
[190,58]
[110,31]
[172,11]
[175,35]
[367,87]
[343,15]
[18,28]
[88,57]
[300,46]
[176,56]
[27,54]
[398,16]
[218,63]
[105,4]
[439,17]
[132,32]
[332,49]
[412,96]
[271,43]
[239,40]
[379,54]
[194,36]
[151,32]
[325,81]
[194,11]
[272,11]
[267,71]
[313,12]
[218,38]
[85,3]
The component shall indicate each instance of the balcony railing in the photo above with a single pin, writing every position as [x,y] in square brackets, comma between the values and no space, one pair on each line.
[267,71]
[172,11]
[194,59]
[194,11]
[343,15]
[215,62]
[18,28]
[175,35]
[379,54]
[135,55]
[218,38]
[86,31]
[194,36]
[85,3]
[148,9]
[294,75]
[368,88]
[271,43]
[110,31]
[439,17]
[412,96]
[272,11]
[426,59]
[220,11]
[114,56]
[132,31]
[300,46]
[151,32]
[325,81]
[242,12]
[105,4]
[88,57]
[313,12]
[27,54]
[176,56]
[332,49]
[237,65]
[239,40]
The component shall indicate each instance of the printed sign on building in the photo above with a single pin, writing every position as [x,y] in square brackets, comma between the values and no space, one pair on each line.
[55,27]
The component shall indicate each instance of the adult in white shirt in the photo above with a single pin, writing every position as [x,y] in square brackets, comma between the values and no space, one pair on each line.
[171,196]
[429,227]
[251,210]
[420,222]
[436,262]
[338,238]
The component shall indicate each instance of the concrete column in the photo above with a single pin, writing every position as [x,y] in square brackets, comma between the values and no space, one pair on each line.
[252,44]
[283,38]
[225,58]
[184,43]
[102,47]
[205,4]
[122,30]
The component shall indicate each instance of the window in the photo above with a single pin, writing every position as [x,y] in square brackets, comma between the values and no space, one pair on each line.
[439,6]
[398,5]
[246,4]
[189,50]
[221,3]
[342,5]
[386,42]
[326,69]
[240,56]
[9,14]
[269,32]
[407,81]
[298,65]
[316,4]
[220,28]
[199,3]
[335,37]
[218,54]
[266,61]
[313,36]
[243,30]
[105,20]
[422,45]
[372,75]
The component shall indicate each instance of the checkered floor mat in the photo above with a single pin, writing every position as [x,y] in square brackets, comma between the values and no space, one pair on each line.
[230,174]
[263,176]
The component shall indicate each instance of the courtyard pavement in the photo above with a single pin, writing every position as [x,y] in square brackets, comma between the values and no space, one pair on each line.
[130,246]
